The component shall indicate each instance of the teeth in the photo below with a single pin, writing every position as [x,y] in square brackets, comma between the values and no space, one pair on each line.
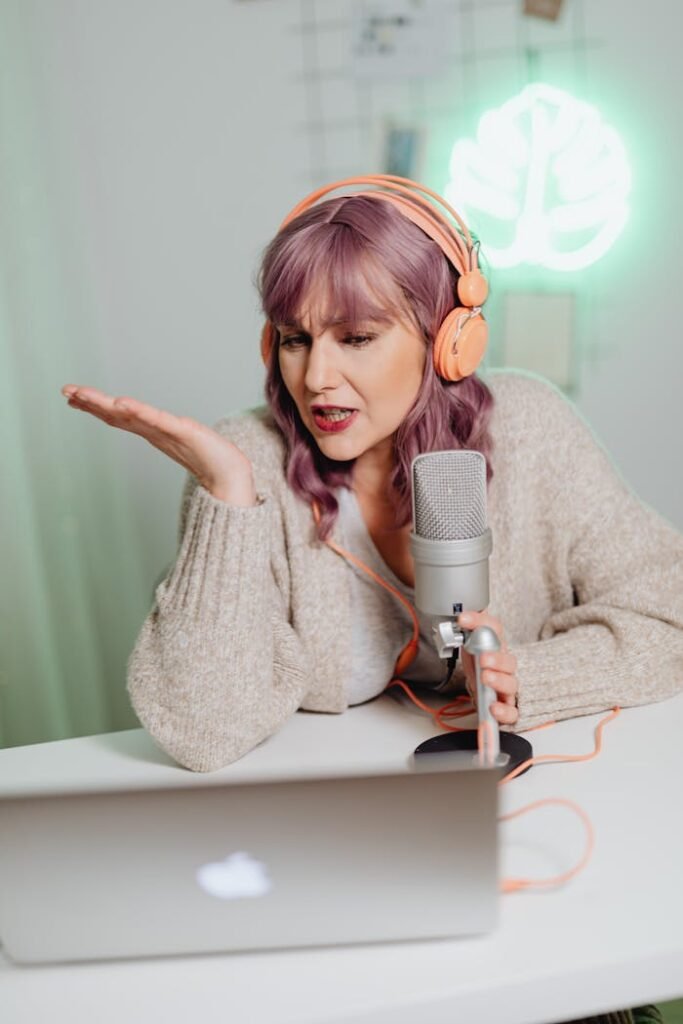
[336,414]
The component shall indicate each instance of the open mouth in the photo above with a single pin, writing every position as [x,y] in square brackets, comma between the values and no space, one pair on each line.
[334,415]
[333,419]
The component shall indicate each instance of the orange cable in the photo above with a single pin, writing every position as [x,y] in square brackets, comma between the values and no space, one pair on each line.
[517,884]
[566,757]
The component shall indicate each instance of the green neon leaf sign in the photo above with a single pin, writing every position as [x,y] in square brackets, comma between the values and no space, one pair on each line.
[546,181]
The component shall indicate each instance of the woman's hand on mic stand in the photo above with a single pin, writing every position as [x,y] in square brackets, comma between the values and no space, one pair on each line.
[219,465]
[498,669]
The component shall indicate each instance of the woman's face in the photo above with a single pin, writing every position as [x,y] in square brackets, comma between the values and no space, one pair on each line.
[366,377]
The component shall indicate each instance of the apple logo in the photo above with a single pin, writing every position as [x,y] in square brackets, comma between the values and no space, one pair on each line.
[235,877]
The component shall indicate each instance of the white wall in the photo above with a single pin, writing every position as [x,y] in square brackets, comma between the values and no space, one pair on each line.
[174,146]
[632,392]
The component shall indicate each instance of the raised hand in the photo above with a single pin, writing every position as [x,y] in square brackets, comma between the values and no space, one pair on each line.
[217,463]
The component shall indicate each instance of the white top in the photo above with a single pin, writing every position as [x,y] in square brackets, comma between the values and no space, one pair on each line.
[381,623]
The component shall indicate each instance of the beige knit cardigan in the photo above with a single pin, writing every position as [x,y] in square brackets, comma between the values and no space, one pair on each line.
[253,621]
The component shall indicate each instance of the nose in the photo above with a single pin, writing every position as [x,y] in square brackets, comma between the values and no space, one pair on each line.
[322,371]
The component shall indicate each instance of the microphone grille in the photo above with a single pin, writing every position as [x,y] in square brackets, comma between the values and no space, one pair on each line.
[449,495]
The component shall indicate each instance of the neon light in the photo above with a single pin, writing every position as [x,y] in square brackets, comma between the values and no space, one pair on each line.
[545,175]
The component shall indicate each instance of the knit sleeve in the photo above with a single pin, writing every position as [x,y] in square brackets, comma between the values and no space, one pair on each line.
[217,667]
[621,642]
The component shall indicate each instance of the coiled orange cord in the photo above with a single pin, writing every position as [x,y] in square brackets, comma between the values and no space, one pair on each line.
[517,884]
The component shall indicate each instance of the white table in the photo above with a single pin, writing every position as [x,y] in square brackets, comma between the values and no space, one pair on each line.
[611,937]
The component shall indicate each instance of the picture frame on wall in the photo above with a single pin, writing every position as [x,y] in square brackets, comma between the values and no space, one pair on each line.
[403,147]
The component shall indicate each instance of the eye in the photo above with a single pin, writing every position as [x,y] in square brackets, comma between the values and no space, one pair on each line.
[358,340]
[292,341]
[354,340]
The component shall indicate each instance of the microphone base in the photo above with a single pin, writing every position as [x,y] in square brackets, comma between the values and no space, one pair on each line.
[516,747]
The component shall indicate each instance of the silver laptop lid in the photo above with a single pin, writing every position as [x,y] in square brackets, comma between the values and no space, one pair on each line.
[247,866]
[326,833]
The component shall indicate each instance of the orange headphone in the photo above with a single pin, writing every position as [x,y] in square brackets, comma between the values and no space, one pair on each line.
[460,342]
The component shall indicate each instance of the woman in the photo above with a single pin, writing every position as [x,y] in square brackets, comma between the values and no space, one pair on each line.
[259,616]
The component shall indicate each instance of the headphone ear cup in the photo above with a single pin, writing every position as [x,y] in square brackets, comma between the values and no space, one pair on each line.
[460,344]
[267,341]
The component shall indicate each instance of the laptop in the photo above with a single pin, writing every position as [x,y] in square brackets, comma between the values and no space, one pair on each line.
[108,849]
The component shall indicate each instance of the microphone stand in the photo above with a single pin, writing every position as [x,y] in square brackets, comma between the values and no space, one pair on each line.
[504,750]
[449,639]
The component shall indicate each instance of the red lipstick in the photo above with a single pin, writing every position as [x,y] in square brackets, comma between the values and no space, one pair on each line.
[333,424]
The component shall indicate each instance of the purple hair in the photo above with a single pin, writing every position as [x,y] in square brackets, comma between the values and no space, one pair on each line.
[373,262]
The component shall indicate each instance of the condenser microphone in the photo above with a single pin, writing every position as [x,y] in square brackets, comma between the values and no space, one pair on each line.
[451,543]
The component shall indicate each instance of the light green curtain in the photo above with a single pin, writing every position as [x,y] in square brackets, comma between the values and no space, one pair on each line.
[73,593]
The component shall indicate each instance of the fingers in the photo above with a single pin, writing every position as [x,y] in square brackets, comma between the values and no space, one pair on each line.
[493,664]
[74,403]
[124,412]
[505,685]
[504,714]
[472,620]
[197,449]
[499,661]
[498,669]
[503,710]
[97,403]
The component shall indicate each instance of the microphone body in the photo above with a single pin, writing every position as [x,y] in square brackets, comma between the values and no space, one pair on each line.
[451,572]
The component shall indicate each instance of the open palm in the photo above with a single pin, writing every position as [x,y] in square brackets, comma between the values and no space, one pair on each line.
[217,463]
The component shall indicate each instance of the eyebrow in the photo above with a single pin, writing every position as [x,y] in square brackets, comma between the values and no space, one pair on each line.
[340,321]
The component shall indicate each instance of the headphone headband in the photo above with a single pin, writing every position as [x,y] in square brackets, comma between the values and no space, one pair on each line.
[461,251]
